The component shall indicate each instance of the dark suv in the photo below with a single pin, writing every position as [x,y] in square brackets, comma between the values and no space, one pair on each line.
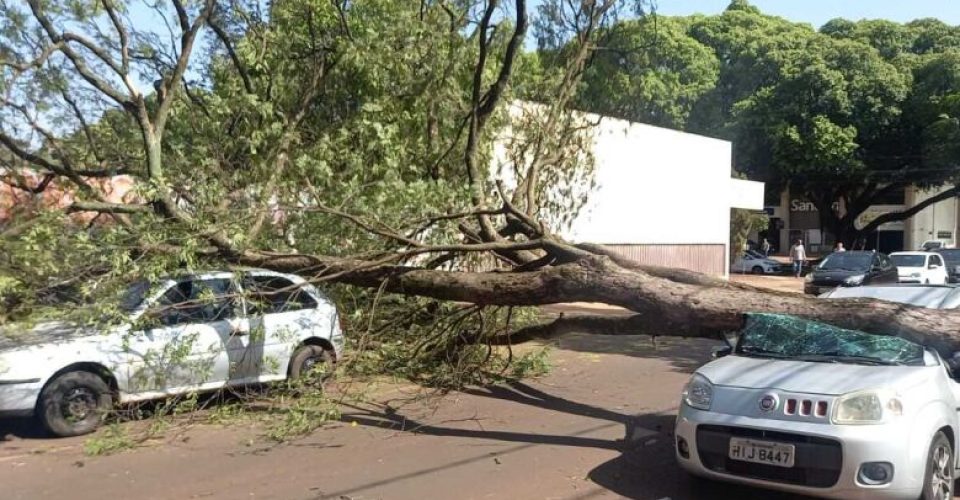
[850,269]
[952,257]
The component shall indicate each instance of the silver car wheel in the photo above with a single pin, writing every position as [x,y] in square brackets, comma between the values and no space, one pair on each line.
[942,473]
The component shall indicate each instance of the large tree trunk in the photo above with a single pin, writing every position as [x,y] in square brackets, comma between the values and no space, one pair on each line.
[665,304]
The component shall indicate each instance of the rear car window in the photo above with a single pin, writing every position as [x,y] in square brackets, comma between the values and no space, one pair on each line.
[908,260]
[273,294]
[196,301]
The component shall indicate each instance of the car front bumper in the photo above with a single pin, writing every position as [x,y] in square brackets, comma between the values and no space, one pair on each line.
[811,289]
[19,397]
[909,279]
[823,452]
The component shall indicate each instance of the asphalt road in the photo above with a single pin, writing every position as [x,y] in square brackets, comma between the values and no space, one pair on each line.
[598,426]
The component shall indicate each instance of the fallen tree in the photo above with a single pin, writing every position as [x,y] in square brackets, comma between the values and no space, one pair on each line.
[238,201]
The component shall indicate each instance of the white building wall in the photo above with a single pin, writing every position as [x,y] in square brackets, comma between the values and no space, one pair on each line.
[936,222]
[656,186]
[660,196]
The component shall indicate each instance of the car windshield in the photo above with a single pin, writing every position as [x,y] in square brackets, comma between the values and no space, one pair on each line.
[751,254]
[951,256]
[908,260]
[780,336]
[847,261]
[134,295]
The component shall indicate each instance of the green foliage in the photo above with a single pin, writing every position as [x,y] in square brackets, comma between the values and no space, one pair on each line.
[650,71]
[111,439]
[845,112]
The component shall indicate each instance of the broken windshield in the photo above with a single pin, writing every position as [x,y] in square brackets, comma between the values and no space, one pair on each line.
[788,337]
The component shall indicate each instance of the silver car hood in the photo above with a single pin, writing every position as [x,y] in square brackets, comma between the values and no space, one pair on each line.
[809,377]
[19,336]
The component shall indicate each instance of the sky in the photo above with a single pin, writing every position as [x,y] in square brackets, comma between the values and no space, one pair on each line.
[818,12]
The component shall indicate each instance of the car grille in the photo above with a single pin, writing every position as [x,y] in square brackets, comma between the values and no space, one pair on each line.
[827,281]
[817,460]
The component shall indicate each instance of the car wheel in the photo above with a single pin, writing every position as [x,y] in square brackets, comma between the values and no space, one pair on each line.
[938,480]
[308,358]
[757,270]
[74,403]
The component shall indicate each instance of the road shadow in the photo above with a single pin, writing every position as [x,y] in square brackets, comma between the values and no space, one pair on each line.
[683,354]
[646,467]
[30,428]
[16,428]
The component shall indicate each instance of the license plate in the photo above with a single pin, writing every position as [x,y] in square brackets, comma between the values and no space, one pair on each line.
[761,452]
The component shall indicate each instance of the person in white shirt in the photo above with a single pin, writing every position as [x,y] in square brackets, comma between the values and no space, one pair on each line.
[798,254]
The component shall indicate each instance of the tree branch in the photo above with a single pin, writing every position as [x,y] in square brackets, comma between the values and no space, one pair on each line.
[187,40]
[81,67]
[673,306]
[910,212]
[108,208]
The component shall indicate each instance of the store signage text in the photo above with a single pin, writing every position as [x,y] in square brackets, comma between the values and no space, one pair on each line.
[808,206]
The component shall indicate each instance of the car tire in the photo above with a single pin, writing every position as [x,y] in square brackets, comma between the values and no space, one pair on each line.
[307,357]
[938,478]
[757,270]
[74,403]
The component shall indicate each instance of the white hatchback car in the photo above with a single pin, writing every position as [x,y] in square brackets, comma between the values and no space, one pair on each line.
[755,263]
[195,333]
[920,267]
[809,408]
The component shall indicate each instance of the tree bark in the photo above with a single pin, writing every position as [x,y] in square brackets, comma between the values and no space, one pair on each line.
[663,306]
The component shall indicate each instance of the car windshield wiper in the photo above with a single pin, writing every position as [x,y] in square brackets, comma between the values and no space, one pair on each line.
[759,352]
[831,357]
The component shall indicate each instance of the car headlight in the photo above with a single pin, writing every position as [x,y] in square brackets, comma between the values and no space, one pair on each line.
[698,393]
[809,278]
[867,407]
[914,275]
[854,280]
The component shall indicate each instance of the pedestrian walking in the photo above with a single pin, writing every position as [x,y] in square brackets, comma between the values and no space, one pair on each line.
[839,247]
[765,248]
[798,254]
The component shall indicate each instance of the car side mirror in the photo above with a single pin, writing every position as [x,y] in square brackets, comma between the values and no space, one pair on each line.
[932,266]
[721,351]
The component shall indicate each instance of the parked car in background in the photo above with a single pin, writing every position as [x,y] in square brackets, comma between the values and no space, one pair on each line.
[951,256]
[934,245]
[920,267]
[809,408]
[931,297]
[755,263]
[852,268]
[181,335]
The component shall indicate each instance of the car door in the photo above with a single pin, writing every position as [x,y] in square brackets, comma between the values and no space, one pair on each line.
[887,271]
[180,343]
[282,313]
[937,270]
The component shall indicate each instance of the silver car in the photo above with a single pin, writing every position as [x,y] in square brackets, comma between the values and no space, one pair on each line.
[181,335]
[809,408]
[929,296]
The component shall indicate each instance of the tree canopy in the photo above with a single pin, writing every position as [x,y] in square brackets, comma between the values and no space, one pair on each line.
[351,143]
[849,113]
